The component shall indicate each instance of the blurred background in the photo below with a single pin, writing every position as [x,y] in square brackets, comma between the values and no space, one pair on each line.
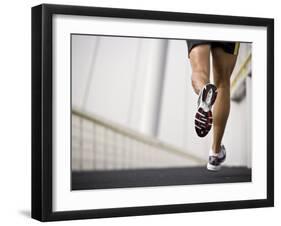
[133,106]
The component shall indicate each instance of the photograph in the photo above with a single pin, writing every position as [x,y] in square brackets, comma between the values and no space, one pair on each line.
[140,112]
[158,112]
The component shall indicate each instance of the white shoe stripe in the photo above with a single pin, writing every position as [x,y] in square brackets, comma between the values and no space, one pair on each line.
[203,122]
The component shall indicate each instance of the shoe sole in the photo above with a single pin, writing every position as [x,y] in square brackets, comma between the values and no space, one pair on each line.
[203,120]
[213,168]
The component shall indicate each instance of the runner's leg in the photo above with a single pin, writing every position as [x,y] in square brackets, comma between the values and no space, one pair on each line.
[223,65]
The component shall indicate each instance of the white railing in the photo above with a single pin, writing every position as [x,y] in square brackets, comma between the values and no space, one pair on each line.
[98,144]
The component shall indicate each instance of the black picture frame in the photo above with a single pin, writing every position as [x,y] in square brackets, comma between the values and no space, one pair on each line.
[42,106]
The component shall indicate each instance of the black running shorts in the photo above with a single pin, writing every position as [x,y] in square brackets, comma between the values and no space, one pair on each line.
[228,47]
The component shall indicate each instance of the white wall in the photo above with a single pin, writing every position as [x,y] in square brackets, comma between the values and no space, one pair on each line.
[107,75]
[15,113]
[119,78]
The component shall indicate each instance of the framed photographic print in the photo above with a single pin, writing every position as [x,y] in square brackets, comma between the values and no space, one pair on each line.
[140,112]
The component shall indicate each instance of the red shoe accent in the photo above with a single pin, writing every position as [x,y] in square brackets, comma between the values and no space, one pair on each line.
[203,122]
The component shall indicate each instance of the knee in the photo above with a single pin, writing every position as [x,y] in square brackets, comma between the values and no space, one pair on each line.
[222,79]
[223,83]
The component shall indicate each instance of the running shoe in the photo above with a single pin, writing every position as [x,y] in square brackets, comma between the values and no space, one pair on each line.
[203,116]
[215,161]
